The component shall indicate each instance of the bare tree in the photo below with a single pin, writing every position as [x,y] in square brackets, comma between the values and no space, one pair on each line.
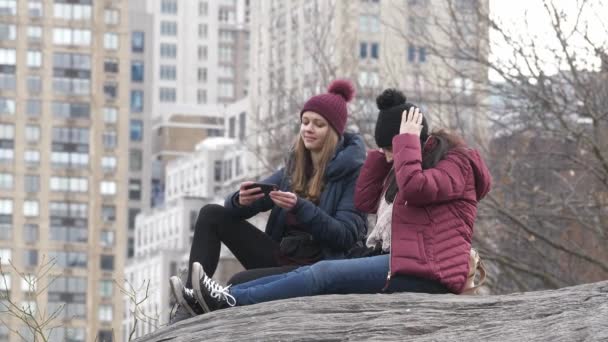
[38,324]
[138,296]
[544,225]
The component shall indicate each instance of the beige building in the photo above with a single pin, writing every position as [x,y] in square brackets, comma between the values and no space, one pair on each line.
[299,46]
[64,131]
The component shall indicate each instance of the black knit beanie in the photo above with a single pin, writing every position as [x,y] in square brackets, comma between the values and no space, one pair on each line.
[391,104]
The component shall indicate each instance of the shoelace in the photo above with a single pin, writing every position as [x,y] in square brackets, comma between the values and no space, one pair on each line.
[217,291]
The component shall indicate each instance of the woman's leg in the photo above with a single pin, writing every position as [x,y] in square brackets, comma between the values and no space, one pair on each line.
[363,275]
[252,247]
[257,273]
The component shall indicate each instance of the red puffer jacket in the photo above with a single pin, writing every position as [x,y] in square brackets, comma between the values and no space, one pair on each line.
[433,212]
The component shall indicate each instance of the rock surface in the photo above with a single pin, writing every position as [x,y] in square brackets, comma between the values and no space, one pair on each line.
[577,313]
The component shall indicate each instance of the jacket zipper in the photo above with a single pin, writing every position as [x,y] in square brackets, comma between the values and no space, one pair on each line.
[390,260]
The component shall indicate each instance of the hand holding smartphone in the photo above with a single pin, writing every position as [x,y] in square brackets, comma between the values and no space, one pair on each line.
[265,188]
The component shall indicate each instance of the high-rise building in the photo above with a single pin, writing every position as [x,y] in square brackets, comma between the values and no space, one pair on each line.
[163,235]
[299,46]
[188,60]
[64,133]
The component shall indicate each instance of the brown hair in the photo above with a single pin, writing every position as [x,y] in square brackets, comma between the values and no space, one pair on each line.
[308,181]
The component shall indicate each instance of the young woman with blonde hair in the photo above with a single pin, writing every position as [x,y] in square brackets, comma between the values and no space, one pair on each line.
[313,215]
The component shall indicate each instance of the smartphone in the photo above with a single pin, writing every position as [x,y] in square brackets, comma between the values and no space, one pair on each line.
[266,187]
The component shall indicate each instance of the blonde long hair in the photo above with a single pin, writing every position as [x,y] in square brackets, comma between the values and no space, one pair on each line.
[311,188]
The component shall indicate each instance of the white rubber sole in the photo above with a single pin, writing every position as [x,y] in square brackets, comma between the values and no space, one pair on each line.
[176,288]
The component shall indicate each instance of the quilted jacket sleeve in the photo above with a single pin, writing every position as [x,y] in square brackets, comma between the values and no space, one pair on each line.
[371,181]
[444,182]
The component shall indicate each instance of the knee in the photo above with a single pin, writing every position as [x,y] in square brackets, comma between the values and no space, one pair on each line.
[211,211]
[321,270]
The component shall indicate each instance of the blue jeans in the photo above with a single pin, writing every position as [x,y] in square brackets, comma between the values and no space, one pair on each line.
[362,275]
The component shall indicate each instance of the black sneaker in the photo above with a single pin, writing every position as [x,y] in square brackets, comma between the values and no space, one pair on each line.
[210,294]
[185,298]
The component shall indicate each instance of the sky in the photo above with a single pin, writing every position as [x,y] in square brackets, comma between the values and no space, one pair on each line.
[528,19]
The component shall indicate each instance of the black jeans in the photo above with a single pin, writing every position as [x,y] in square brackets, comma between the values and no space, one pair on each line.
[253,248]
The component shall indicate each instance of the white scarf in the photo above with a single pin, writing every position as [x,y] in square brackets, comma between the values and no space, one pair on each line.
[382,229]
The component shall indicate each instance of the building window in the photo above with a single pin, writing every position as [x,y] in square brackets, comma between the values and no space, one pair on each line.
[110,90]
[226,90]
[32,133]
[31,183]
[69,184]
[422,54]
[108,163]
[107,262]
[110,65]
[137,101]
[226,54]
[68,11]
[369,23]
[137,71]
[111,16]
[202,53]
[34,33]
[30,233]
[168,50]
[106,238]
[416,54]
[202,31]
[201,96]
[137,41]
[5,256]
[105,313]
[135,160]
[66,36]
[203,8]
[71,110]
[136,130]
[168,28]
[30,258]
[7,132]
[107,188]
[33,108]
[110,115]
[374,50]
[167,94]
[7,32]
[132,215]
[7,106]
[32,157]
[30,208]
[71,74]
[108,213]
[217,171]
[109,140]
[168,72]
[34,8]
[202,74]
[105,288]
[168,6]
[363,50]
[135,189]
[6,181]
[8,7]
[34,84]
[6,207]
[110,41]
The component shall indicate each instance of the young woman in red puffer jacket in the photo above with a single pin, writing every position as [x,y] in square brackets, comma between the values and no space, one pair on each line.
[426,201]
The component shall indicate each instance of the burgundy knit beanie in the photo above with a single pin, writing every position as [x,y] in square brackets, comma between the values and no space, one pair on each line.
[332,105]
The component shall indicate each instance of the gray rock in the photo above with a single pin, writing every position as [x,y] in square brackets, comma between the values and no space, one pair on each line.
[577,313]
